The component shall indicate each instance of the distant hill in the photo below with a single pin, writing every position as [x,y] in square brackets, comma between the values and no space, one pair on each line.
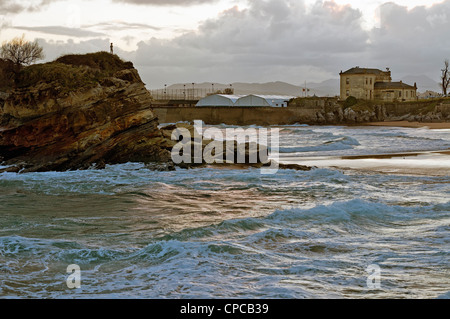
[326,88]
[329,87]
[424,83]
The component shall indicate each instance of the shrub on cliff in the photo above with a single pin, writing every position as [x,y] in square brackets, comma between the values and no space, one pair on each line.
[6,74]
[65,76]
[21,52]
[72,72]
[104,61]
[350,101]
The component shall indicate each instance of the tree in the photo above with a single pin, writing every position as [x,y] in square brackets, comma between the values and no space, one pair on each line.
[21,52]
[445,77]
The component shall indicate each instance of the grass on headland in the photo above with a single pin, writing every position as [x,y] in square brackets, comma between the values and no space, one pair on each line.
[73,71]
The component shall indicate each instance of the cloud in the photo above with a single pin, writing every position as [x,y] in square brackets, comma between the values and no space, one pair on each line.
[412,41]
[270,40]
[167,2]
[121,25]
[59,30]
[4,23]
[17,6]
[55,49]
[289,41]
[10,6]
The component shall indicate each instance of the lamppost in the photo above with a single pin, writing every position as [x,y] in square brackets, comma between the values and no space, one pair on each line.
[165,91]
[193,91]
[184,91]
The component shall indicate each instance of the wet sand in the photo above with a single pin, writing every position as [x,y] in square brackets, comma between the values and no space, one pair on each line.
[435,163]
[433,126]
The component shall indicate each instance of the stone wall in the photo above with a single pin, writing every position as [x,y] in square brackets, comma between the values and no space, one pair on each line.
[237,115]
[309,111]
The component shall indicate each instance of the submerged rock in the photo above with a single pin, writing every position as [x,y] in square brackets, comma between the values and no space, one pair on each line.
[206,152]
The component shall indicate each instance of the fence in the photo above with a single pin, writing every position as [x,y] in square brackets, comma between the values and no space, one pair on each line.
[185,94]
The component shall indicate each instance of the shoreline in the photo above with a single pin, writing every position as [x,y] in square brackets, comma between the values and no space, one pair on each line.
[431,126]
[426,163]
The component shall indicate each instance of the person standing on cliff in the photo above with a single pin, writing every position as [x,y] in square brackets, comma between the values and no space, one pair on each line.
[112,48]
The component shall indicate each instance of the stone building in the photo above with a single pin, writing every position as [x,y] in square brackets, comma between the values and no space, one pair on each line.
[374,84]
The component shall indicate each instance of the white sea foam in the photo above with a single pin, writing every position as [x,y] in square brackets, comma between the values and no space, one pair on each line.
[343,143]
[137,233]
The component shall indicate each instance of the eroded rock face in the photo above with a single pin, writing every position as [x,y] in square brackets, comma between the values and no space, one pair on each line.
[44,127]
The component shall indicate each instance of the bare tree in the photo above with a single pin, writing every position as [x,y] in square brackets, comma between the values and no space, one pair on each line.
[445,77]
[21,52]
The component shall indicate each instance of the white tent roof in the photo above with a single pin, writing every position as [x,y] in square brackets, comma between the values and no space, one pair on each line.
[254,100]
[219,100]
[257,100]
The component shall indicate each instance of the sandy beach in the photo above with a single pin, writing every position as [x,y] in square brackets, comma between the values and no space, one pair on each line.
[434,163]
[433,126]
[428,163]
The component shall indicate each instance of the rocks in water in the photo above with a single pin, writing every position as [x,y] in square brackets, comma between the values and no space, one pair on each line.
[88,111]
[295,167]
[243,155]
[197,151]
[431,112]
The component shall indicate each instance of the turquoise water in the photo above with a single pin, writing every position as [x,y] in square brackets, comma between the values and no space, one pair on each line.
[225,233]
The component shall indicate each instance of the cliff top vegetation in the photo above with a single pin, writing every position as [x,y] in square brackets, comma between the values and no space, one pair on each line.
[74,71]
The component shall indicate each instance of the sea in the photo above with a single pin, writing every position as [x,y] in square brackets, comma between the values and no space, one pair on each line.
[362,224]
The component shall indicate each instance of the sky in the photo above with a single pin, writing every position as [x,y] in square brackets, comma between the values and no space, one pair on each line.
[226,41]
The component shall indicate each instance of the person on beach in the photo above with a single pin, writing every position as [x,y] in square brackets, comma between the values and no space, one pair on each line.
[112,48]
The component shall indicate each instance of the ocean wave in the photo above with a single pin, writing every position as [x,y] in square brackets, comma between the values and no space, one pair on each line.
[344,211]
[444,296]
[342,143]
[48,250]
[172,251]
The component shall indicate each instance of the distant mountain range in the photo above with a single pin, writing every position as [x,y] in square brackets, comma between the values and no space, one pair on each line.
[329,87]
[424,83]
[326,88]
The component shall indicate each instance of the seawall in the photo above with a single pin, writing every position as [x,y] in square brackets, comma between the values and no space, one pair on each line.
[310,111]
[237,115]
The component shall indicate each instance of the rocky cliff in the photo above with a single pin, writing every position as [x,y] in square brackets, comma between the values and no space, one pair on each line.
[77,112]
[332,111]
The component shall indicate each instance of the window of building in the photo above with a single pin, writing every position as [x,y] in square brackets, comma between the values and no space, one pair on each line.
[348,80]
[406,94]
[399,93]
[370,81]
[367,81]
[348,93]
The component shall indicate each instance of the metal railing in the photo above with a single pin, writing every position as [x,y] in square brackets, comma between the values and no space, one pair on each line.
[184,94]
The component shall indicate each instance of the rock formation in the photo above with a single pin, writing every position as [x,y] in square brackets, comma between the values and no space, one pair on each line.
[82,111]
[254,155]
[77,112]
[331,111]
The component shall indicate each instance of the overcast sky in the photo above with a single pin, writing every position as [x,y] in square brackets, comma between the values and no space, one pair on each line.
[225,41]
